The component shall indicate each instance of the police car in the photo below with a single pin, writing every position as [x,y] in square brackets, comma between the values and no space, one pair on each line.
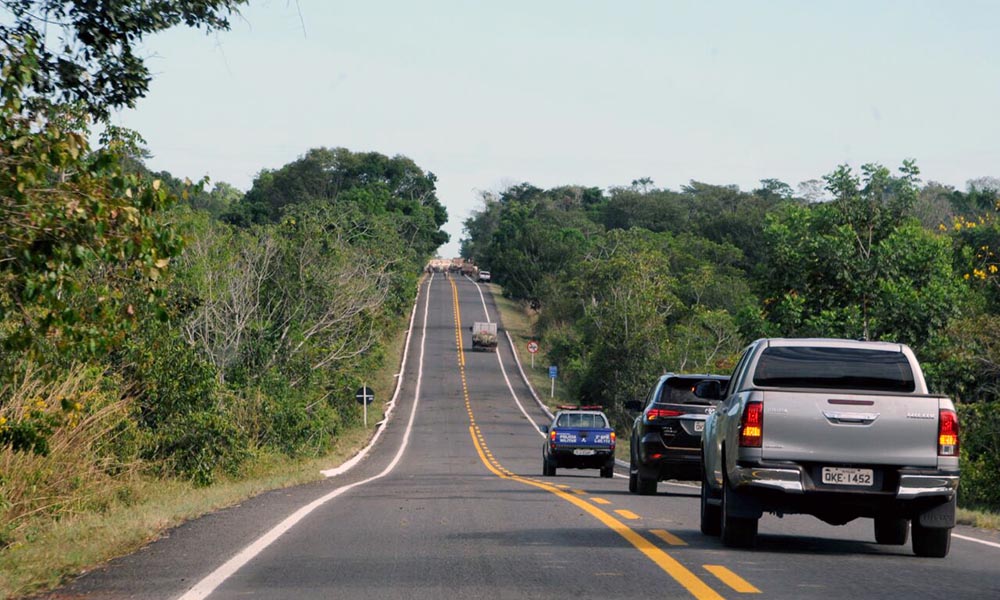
[579,437]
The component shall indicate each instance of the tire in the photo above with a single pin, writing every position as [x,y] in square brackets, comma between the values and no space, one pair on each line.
[711,515]
[891,531]
[645,486]
[736,532]
[633,474]
[548,469]
[932,543]
[608,471]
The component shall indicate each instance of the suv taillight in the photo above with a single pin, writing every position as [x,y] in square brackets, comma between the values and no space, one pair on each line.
[661,413]
[752,425]
[947,433]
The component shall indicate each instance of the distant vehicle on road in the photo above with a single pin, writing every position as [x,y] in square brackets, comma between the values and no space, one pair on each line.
[580,437]
[666,435]
[484,276]
[484,336]
[837,429]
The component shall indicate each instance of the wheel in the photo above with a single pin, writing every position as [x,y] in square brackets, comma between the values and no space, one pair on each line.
[736,532]
[608,471]
[891,531]
[933,543]
[645,486]
[633,474]
[548,469]
[711,515]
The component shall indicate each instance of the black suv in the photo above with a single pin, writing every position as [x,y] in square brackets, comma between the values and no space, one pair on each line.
[666,436]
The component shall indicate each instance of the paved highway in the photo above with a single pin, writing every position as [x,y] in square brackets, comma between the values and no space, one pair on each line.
[450,502]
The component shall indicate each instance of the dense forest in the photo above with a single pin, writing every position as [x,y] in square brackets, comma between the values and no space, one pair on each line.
[635,281]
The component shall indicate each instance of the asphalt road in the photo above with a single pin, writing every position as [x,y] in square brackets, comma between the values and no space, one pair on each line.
[450,502]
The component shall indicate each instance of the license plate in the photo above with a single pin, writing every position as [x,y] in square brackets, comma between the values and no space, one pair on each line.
[842,476]
[699,426]
[583,452]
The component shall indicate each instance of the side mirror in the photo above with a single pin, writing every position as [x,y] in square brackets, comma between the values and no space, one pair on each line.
[470,327]
[543,428]
[709,390]
[633,405]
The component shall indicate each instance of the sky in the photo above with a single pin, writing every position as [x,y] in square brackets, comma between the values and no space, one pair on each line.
[581,92]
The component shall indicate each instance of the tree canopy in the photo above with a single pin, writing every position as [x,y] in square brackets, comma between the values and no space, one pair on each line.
[86,52]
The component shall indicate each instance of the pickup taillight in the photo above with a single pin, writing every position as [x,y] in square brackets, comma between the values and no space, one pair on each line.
[614,440]
[752,425]
[947,433]
[552,439]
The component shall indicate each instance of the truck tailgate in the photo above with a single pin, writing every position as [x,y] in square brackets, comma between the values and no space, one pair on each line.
[838,428]
[583,438]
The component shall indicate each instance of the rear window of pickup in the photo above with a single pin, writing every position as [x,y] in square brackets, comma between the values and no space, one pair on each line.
[834,368]
[582,421]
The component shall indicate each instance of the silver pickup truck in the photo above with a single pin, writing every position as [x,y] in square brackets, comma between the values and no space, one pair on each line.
[838,429]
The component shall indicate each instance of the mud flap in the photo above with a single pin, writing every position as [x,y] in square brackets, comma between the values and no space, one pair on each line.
[941,516]
[743,506]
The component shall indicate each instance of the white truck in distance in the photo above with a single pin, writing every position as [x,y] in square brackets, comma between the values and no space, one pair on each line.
[484,336]
[838,429]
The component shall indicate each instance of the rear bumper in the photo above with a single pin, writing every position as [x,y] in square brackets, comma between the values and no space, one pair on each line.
[794,479]
[669,462]
[927,495]
[918,486]
[564,458]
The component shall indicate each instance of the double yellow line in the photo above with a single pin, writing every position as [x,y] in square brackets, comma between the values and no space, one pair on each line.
[698,588]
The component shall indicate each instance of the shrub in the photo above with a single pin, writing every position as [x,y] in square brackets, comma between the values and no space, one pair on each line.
[980,460]
[79,465]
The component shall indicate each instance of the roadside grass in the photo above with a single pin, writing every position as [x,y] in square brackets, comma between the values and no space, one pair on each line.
[976,518]
[51,551]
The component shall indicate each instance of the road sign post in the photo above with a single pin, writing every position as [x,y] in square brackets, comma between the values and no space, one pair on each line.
[365,396]
[553,372]
[532,350]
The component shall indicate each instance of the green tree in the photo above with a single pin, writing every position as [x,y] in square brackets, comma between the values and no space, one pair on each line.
[86,52]
[380,184]
[83,245]
[857,267]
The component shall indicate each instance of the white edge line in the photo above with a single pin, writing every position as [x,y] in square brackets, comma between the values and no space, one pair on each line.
[216,578]
[524,377]
[513,351]
[349,464]
[978,541]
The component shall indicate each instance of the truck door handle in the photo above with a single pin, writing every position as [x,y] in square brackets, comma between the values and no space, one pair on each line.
[851,417]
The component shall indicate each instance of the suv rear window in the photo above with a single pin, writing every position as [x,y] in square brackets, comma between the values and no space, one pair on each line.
[679,390]
[834,368]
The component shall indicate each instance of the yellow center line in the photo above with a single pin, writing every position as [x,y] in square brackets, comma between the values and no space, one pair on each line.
[698,588]
[627,514]
[600,501]
[731,579]
[668,537]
